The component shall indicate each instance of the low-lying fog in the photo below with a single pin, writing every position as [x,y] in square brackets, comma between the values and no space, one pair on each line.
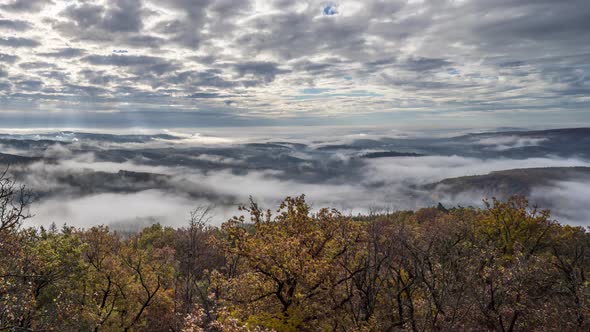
[78,177]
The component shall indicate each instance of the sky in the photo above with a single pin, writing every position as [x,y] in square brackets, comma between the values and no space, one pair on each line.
[212,63]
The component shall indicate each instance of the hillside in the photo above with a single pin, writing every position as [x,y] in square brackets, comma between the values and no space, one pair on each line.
[508,182]
[301,271]
[9,159]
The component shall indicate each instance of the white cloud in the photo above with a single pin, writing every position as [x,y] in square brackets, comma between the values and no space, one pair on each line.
[570,199]
[105,209]
[510,142]
[467,59]
[435,168]
[386,183]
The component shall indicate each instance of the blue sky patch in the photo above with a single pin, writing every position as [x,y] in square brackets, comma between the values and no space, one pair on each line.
[316,94]
[453,71]
[330,10]
[314,91]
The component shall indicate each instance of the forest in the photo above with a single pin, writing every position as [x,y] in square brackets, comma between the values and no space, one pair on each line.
[505,267]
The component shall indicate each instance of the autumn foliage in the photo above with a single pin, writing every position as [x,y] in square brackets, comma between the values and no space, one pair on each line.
[506,267]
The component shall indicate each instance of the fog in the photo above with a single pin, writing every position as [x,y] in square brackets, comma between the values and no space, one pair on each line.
[509,142]
[572,199]
[78,180]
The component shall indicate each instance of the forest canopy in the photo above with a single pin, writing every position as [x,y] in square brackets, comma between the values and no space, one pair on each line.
[505,267]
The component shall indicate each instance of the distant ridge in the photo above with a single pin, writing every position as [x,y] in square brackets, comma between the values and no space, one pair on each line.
[384,154]
[524,132]
[11,159]
[508,182]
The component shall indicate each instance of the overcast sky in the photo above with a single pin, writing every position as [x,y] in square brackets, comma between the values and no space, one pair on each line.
[196,63]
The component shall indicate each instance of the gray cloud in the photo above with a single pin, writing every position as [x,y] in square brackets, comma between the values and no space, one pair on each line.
[150,64]
[569,196]
[521,59]
[64,53]
[265,71]
[425,64]
[124,16]
[120,16]
[25,5]
[207,78]
[17,42]
[17,25]
[29,85]
[36,65]
[117,22]
[8,58]
[96,171]
[185,30]
[101,78]
[145,41]
[205,95]
[85,90]
[5,86]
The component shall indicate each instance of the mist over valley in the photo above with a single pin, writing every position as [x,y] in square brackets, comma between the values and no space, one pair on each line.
[83,178]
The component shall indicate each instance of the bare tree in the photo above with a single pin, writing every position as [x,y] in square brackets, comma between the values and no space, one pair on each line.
[15,200]
[196,257]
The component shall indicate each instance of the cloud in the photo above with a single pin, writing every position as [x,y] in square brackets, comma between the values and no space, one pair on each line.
[18,42]
[8,58]
[121,16]
[185,28]
[64,53]
[57,151]
[25,5]
[429,169]
[17,25]
[569,198]
[197,139]
[36,65]
[205,95]
[451,63]
[510,142]
[151,64]
[82,174]
[330,10]
[29,85]
[124,16]
[383,187]
[425,64]
[128,208]
[265,71]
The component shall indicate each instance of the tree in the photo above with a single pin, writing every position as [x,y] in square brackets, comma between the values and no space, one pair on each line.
[511,284]
[197,257]
[16,299]
[14,204]
[506,267]
[570,251]
[289,272]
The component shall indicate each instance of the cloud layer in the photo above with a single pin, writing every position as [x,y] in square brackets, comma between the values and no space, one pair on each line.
[217,62]
[85,178]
